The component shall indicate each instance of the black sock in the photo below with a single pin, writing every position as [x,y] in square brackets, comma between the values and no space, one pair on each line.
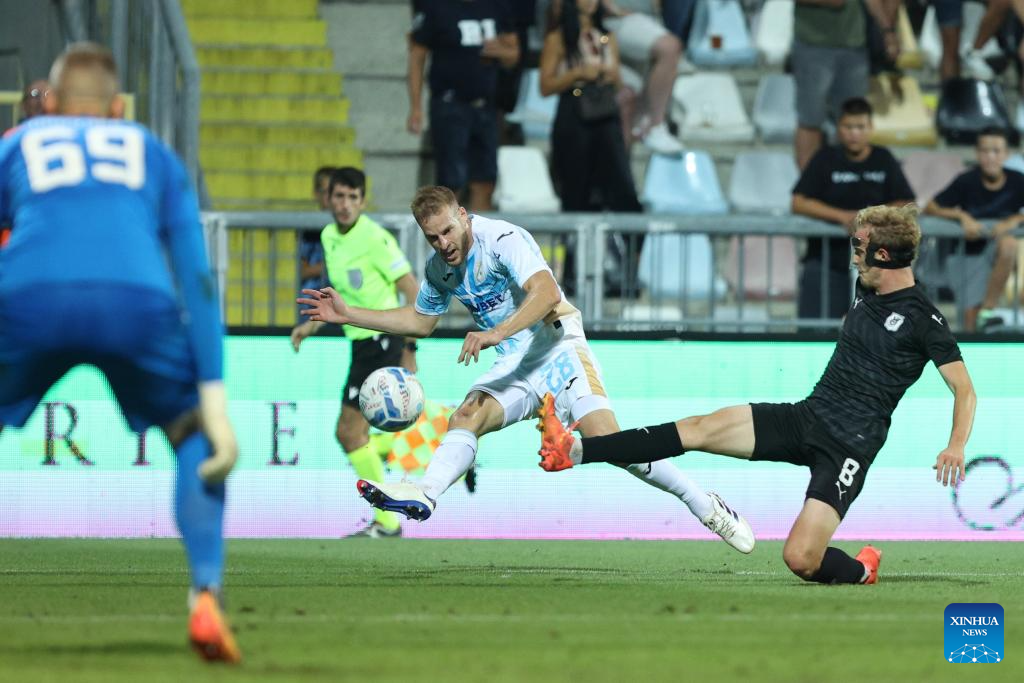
[838,567]
[645,444]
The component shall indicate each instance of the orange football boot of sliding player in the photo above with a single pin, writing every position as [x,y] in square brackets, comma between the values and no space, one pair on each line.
[555,440]
[870,557]
[209,633]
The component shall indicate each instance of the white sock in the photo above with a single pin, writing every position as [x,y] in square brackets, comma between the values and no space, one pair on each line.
[664,475]
[450,461]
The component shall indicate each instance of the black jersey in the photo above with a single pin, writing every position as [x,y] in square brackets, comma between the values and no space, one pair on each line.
[884,345]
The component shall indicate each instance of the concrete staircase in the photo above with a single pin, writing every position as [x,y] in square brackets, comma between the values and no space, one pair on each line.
[272,112]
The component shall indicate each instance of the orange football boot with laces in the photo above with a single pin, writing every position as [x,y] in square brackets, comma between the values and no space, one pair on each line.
[555,440]
[870,557]
[209,633]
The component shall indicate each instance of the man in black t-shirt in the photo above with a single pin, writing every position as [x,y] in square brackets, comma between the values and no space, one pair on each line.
[467,40]
[837,182]
[890,333]
[987,191]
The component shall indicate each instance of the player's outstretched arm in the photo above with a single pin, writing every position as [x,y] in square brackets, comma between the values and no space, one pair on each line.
[326,305]
[949,466]
[542,296]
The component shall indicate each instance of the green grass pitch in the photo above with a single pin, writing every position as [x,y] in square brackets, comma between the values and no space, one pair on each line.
[405,610]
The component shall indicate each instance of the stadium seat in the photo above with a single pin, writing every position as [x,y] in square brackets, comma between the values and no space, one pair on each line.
[712,109]
[968,105]
[931,42]
[762,182]
[775,108]
[773,35]
[900,115]
[769,267]
[675,266]
[534,112]
[1015,162]
[930,172]
[719,36]
[524,183]
[686,184]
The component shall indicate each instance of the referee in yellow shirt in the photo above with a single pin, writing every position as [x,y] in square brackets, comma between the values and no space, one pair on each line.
[365,264]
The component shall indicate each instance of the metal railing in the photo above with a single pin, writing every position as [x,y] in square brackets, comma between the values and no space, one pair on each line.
[602,263]
[150,41]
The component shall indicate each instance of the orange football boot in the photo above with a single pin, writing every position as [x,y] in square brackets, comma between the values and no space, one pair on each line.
[870,557]
[209,633]
[555,440]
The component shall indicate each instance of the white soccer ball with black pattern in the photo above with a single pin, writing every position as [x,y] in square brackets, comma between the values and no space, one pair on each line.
[391,399]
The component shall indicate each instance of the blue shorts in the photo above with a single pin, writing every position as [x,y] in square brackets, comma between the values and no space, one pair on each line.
[134,336]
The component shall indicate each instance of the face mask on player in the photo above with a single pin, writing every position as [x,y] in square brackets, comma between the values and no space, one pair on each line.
[898,258]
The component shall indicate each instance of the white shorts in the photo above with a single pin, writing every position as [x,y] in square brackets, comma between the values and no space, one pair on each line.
[558,361]
[636,34]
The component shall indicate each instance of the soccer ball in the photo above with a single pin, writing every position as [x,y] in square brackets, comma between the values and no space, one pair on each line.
[391,399]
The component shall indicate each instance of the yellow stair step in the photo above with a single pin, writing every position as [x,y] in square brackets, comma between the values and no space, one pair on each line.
[296,158]
[290,109]
[250,9]
[244,81]
[307,204]
[274,134]
[242,185]
[212,56]
[258,32]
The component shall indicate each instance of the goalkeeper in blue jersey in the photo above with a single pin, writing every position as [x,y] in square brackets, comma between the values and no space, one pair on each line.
[106,265]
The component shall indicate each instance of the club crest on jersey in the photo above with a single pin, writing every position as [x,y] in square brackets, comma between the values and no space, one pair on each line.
[893,322]
[355,278]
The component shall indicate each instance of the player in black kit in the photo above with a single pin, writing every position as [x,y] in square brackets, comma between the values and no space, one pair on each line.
[889,335]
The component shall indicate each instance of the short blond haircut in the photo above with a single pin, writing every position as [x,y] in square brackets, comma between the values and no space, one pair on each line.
[432,200]
[85,70]
[892,227]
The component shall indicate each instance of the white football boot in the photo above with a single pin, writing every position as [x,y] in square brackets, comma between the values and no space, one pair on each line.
[402,497]
[729,524]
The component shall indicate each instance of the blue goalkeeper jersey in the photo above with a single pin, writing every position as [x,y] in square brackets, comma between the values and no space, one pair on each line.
[96,200]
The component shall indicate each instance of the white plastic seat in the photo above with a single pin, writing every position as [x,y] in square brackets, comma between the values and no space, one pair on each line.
[773,35]
[685,184]
[524,183]
[534,112]
[712,109]
[721,23]
[775,108]
[676,266]
[762,182]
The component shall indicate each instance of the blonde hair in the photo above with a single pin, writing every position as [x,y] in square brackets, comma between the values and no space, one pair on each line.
[892,227]
[85,71]
[432,200]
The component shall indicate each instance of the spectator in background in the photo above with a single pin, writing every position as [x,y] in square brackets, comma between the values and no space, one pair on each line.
[837,182]
[311,250]
[988,191]
[645,42]
[949,14]
[588,154]
[467,40]
[830,61]
[31,105]
[32,99]
[366,265]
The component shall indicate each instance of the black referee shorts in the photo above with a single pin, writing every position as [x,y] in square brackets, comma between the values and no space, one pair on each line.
[790,432]
[374,353]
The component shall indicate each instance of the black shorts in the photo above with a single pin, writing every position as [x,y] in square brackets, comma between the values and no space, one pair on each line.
[374,353]
[791,432]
